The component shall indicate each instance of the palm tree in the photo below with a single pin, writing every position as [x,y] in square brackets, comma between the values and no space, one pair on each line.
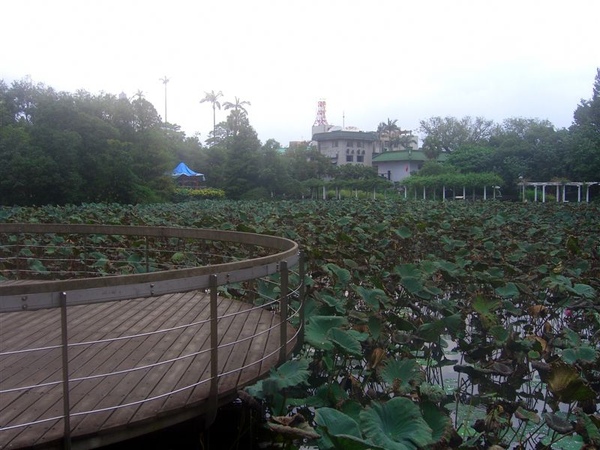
[394,136]
[238,111]
[387,131]
[213,98]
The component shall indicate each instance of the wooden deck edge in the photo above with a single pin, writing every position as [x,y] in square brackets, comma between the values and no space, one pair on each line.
[163,420]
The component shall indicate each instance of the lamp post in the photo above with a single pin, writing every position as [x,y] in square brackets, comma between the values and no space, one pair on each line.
[165,80]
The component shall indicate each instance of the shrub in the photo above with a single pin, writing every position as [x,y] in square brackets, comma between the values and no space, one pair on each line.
[184,194]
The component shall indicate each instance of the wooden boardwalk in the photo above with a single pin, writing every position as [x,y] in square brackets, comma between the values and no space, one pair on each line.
[184,316]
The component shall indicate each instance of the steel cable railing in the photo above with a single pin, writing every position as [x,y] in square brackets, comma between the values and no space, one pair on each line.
[270,264]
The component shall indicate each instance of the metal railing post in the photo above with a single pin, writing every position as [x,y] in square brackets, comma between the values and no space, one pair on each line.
[65,370]
[146,255]
[302,293]
[214,352]
[283,311]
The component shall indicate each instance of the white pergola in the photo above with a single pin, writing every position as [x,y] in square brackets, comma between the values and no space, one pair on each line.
[494,190]
[560,189]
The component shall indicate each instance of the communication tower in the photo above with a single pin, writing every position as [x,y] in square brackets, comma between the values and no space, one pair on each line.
[320,125]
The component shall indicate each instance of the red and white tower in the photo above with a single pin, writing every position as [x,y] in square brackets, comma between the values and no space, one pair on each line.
[320,125]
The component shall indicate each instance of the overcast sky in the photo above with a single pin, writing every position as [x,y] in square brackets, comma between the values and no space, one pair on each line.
[369,59]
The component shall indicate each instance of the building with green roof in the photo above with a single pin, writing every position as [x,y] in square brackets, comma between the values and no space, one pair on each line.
[397,165]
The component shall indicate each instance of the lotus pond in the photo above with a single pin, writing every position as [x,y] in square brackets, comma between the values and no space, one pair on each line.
[429,324]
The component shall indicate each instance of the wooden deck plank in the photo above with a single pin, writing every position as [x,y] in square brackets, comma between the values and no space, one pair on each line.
[117,354]
[158,382]
[187,371]
[95,322]
[51,405]
[122,355]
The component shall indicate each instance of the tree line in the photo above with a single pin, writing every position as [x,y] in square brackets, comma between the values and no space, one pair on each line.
[520,147]
[71,148]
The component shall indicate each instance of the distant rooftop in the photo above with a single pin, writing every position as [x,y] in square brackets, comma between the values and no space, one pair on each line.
[404,155]
[345,134]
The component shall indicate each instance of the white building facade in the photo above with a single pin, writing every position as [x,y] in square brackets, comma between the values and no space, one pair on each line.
[347,146]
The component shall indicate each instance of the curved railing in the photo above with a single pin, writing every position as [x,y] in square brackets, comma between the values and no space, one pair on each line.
[21,242]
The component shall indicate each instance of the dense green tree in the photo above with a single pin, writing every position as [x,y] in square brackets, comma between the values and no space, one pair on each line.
[306,163]
[354,172]
[274,173]
[28,176]
[243,159]
[449,133]
[583,156]
[472,158]
[527,148]
[431,168]
[82,147]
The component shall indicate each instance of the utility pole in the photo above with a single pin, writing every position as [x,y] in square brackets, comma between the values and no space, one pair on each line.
[165,80]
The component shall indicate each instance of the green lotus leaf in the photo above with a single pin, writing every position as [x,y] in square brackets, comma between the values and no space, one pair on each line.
[509,290]
[431,331]
[345,341]
[396,425]
[291,373]
[584,353]
[339,304]
[342,276]
[406,372]
[453,323]
[408,270]
[372,297]
[412,285]
[326,395]
[432,392]
[36,265]
[344,442]
[588,428]
[375,327]
[448,267]
[584,290]
[500,333]
[317,330]
[439,422]
[403,232]
[331,423]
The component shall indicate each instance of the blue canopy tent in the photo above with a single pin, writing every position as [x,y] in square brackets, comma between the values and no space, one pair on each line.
[184,176]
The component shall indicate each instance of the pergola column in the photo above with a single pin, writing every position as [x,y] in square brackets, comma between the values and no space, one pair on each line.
[543,193]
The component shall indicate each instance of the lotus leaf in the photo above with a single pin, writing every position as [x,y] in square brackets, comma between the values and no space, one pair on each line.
[396,425]
[584,353]
[373,297]
[403,374]
[523,414]
[509,290]
[343,276]
[557,423]
[345,341]
[439,422]
[333,423]
[564,382]
[403,232]
[318,327]
[588,428]
[36,266]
